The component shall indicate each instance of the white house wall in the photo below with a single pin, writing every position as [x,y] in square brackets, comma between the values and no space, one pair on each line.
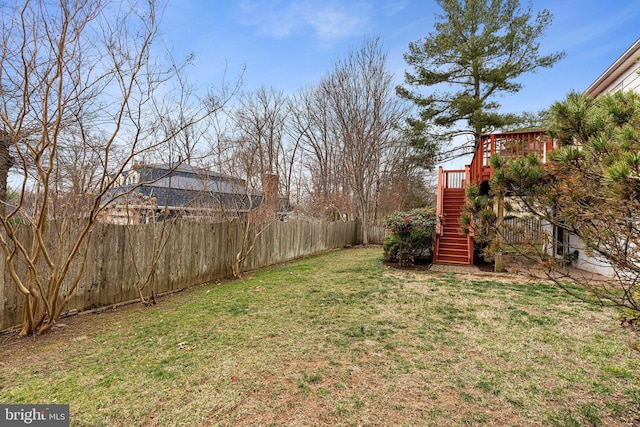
[587,263]
[629,80]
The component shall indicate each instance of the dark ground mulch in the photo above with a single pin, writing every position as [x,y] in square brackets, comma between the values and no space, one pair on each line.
[425,264]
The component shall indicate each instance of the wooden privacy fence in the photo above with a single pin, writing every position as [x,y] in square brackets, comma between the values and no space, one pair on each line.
[377,234]
[194,253]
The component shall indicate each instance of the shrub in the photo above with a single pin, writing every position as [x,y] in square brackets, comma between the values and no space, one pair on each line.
[412,236]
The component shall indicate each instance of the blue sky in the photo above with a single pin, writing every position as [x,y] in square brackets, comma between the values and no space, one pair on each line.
[288,44]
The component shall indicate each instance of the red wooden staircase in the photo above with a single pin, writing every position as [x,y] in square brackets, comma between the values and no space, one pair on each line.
[451,246]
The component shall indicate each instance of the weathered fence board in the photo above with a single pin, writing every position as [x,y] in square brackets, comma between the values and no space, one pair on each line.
[194,253]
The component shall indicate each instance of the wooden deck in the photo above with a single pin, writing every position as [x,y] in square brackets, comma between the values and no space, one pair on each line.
[512,145]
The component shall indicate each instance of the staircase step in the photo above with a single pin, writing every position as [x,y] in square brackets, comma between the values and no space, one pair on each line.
[452,225]
[450,259]
[453,238]
[462,256]
[452,249]
[452,256]
[454,244]
[453,231]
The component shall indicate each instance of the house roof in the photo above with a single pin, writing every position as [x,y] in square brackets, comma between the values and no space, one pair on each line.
[186,186]
[172,198]
[186,177]
[622,64]
[200,184]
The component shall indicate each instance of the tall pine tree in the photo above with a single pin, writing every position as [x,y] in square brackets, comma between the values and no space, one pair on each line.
[476,52]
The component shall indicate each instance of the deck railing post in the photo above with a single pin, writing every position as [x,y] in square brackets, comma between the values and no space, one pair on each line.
[492,150]
[548,146]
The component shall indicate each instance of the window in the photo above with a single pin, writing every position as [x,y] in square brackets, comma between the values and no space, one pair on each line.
[560,240]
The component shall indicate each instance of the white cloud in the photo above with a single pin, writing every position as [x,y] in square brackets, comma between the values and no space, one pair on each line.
[271,18]
[326,20]
[395,7]
[336,24]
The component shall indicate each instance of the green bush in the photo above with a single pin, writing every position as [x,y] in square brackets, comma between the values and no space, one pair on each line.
[412,236]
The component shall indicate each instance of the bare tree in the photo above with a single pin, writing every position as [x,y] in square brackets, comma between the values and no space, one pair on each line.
[261,120]
[365,115]
[404,184]
[187,140]
[234,155]
[241,204]
[5,164]
[312,121]
[79,81]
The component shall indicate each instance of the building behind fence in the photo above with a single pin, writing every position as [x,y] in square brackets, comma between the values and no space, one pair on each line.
[195,253]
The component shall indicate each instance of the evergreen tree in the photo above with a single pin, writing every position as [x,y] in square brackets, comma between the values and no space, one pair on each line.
[476,52]
[590,188]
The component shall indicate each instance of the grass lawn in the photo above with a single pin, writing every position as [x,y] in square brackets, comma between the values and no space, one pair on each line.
[337,339]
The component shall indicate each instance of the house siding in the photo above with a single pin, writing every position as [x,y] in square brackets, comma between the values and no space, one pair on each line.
[629,80]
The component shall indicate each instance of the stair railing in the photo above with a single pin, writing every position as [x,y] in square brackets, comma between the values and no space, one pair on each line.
[439,202]
[439,212]
[471,234]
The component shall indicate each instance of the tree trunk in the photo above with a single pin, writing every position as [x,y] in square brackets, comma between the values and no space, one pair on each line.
[365,226]
[5,164]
